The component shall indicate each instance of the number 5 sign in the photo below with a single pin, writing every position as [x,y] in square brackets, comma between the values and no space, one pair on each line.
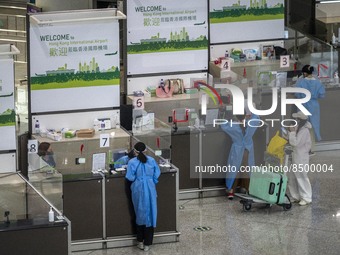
[138,102]
[284,61]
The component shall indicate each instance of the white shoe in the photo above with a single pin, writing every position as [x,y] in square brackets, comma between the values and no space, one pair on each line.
[303,202]
[146,248]
[140,245]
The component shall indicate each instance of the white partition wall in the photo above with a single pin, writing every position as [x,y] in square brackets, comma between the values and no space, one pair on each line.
[165,37]
[245,20]
[8,141]
[74,62]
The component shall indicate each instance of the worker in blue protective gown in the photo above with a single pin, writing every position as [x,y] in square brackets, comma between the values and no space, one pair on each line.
[242,148]
[143,172]
[317,91]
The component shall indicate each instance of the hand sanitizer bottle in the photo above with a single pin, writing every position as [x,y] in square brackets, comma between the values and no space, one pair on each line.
[336,78]
[51,215]
[333,39]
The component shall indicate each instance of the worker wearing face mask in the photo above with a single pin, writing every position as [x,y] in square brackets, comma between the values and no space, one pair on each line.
[298,182]
[46,153]
[317,91]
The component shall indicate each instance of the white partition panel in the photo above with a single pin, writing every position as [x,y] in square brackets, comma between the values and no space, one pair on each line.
[245,20]
[74,61]
[8,162]
[7,107]
[166,36]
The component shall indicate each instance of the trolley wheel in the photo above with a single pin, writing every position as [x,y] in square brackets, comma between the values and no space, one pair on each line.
[287,207]
[247,207]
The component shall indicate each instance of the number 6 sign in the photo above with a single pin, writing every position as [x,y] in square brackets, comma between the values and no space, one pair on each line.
[138,102]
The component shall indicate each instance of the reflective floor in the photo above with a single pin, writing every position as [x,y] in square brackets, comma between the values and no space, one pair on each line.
[311,229]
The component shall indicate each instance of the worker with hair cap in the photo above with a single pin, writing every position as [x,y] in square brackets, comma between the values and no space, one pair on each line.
[317,91]
[143,172]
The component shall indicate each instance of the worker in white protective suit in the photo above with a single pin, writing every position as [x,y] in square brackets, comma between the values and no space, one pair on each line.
[298,182]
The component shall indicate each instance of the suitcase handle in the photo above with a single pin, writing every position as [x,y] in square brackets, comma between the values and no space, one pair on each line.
[271,188]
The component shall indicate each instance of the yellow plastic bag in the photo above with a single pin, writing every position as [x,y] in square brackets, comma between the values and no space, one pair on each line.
[276,146]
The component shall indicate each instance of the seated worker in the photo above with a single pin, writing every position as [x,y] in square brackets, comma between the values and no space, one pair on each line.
[46,153]
[123,161]
[242,148]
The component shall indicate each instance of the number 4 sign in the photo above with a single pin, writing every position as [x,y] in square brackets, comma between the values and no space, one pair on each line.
[284,61]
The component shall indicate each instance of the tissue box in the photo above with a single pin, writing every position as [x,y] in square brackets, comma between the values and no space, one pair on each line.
[54,136]
[85,132]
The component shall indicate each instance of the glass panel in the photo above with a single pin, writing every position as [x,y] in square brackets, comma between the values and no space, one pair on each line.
[19,201]
[46,179]
[157,137]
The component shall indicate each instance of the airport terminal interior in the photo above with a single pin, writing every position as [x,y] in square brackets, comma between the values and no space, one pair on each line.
[313,229]
[213,224]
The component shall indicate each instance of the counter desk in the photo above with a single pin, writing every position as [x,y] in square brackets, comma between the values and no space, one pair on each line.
[26,220]
[67,150]
[207,147]
[101,211]
[99,205]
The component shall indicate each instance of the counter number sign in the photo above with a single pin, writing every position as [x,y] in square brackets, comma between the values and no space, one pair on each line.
[104,140]
[284,61]
[138,102]
[32,146]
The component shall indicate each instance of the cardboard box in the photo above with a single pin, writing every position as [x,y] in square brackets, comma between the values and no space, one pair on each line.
[85,132]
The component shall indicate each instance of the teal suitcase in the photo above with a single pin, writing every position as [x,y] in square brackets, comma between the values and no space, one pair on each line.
[268,186]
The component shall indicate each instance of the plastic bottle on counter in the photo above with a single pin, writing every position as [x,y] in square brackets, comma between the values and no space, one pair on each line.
[333,39]
[162,83]
[336,78]
[51,215]
[102,125]
[226,54]
[37,127]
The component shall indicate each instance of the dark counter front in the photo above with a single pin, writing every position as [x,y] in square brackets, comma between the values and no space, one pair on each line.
[119,209]
[25,237]
[214,148]
[83,205]
[185,155]
[329,112]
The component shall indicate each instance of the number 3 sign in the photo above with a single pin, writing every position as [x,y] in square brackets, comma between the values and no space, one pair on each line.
[284,61]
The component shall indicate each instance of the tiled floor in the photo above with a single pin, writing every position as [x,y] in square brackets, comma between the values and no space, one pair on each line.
[312,229]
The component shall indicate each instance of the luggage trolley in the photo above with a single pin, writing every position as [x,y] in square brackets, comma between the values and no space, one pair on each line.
[268,187]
